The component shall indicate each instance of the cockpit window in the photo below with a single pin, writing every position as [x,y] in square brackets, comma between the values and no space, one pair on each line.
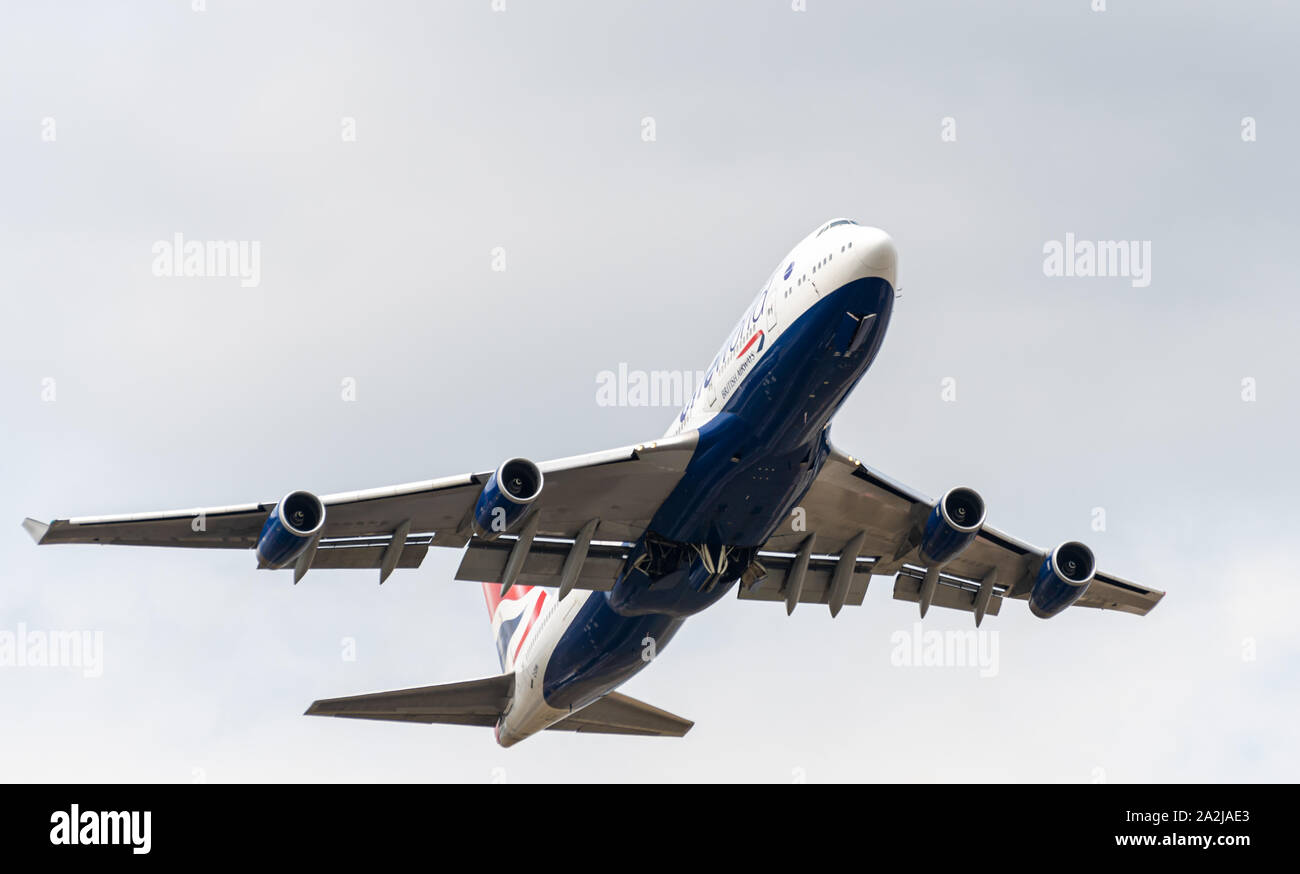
[834,223]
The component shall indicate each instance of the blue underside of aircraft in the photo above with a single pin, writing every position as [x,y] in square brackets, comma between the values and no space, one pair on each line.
[753,463]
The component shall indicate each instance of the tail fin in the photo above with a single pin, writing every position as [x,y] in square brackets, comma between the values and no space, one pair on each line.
[512,618]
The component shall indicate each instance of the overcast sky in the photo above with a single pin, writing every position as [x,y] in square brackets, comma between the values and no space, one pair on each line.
[379,154]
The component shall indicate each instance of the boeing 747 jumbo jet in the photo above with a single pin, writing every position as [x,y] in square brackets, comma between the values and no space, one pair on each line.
[600,558]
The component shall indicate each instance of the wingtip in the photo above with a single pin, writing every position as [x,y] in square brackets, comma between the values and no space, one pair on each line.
[36,529]
[324,707]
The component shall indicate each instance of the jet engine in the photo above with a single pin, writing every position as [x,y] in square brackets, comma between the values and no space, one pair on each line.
[1062,579]
[951,526]
[292,524]
[506,498]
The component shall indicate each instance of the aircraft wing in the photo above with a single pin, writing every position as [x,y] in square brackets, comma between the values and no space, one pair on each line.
[609,495]
[854,510]
[856,523]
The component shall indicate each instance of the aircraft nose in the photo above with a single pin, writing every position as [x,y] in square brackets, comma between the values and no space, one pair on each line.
[878,255]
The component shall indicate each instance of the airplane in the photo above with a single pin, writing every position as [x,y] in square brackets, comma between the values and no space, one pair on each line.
[598,559]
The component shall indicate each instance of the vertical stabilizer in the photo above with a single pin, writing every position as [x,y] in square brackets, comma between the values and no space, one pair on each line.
[512,618]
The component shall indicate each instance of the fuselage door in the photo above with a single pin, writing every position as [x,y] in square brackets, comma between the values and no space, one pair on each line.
[711,379]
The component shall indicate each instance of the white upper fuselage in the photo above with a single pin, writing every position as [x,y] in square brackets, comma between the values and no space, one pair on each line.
[828,258]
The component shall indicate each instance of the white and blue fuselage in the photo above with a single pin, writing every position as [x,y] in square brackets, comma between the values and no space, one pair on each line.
[761,413]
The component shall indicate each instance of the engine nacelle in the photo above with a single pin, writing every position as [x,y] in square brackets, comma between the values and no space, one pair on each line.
[951,526]
[292,524]
[1062,579]
[506,498]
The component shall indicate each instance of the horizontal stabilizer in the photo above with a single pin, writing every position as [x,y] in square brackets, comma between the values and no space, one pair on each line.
[473,702]
[619,714]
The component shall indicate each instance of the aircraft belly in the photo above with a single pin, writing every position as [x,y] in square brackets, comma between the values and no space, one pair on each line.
[760,455]
[600,650]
